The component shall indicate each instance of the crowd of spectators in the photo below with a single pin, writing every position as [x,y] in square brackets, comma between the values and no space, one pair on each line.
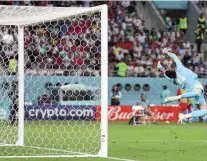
[72,47]
[132,42]
[68,47]
[65,47]
[201,3]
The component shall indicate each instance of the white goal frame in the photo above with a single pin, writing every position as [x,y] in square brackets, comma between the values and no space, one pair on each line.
[104,79]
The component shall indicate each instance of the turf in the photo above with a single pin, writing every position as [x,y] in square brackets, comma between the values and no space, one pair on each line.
[161,142]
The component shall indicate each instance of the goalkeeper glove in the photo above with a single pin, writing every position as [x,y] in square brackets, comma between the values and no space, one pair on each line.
[160,67]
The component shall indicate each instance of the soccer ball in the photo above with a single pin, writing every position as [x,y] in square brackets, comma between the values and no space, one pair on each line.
[8,39]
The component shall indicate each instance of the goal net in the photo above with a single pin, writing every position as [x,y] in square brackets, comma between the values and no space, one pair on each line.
[53,81]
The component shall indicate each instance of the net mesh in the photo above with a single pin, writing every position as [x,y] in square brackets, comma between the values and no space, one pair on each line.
[62,84]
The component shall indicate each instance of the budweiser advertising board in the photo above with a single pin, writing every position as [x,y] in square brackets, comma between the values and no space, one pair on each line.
[124,113]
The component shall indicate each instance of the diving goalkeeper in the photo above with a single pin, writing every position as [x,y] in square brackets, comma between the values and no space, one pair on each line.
[188,81]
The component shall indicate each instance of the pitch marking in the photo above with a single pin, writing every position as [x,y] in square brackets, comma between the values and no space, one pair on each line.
[160,140]
[122,159]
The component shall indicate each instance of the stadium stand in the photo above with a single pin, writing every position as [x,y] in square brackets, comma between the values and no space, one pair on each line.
[130,40]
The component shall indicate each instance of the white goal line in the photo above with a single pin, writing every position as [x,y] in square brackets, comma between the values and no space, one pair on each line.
[4,144]
[175,140]
[52,156]
[50,149]
[122,159]
[60,150]
[73,154]
[67,156]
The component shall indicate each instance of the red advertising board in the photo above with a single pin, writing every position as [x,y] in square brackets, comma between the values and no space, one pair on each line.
[124,113]
[165,113]
[116,113]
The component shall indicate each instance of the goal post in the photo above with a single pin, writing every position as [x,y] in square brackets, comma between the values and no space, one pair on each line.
[61,103]
[104,82]
[20,141]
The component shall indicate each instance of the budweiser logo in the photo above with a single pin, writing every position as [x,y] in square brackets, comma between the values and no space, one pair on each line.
[115,113]
[163,115]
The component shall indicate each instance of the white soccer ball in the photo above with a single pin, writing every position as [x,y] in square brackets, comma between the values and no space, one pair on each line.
[167,122]
[8,39]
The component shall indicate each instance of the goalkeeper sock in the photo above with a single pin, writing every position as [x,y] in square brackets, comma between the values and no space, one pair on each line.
[197,113]
[190,94]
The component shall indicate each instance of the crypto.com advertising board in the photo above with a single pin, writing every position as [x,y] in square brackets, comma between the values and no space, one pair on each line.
[115,113]
[56,112]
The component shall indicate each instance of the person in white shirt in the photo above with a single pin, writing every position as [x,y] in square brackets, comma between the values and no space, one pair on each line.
[141,38]
[120,56]
[125,4]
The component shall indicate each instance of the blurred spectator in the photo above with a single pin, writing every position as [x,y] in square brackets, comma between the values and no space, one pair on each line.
[142,38]
[201,3]
[116,49]
[12,66]
[115,95]
[120,56]
[164,94]
[125,4]
[168,23]
[201,21]
[186,59]
[199,38]
[121,68]
[144,103]
[183,24]
[14,95]
[186,45]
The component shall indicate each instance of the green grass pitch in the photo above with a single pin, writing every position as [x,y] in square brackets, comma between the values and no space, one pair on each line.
[161,142]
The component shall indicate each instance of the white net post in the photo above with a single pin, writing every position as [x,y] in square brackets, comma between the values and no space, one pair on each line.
[67,121]
[104,82]
[20,141]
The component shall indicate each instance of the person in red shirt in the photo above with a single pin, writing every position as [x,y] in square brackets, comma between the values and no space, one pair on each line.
[185,104]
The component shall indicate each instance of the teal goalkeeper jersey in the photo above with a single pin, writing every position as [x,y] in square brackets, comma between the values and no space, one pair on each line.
[185,78]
